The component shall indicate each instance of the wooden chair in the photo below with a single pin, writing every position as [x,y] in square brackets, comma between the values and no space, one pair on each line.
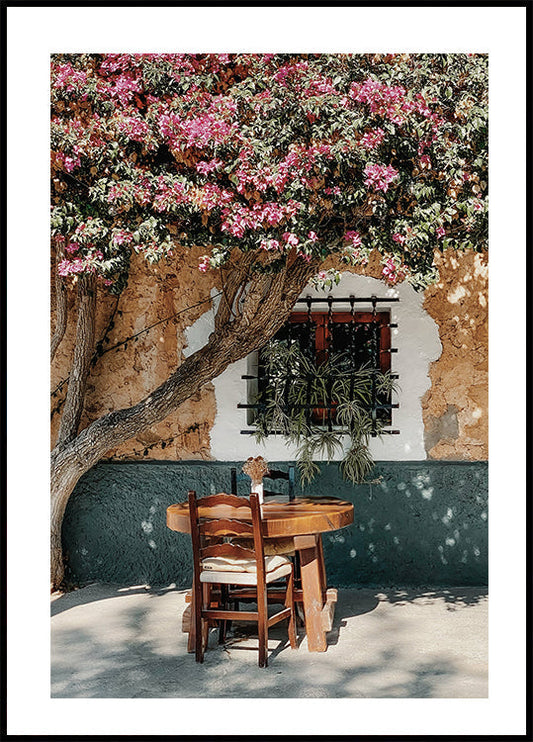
[283,546]
[228,565]
[274,474]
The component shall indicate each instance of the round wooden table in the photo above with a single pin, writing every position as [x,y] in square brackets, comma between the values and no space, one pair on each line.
[304,520]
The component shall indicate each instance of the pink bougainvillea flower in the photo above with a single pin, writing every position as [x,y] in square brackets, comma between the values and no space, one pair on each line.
[381,98]
[270,245]
[203,266]
[397,237]
[68,267]
[355,256]
[68,78]
[394,273]
[322,275]
[353,237]
[305,256]
[122,237]
[66,162]
[313,236]
[290,238]
[440,232]
[372,138]
[380,176]
[208,167]
[389,268]
[134,128]
[63,268]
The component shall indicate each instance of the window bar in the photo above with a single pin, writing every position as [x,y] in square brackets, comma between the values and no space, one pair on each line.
[309,316]
[384,431]
[347,299]
[376,355]
[353,345]
[259,405]
[311,345]
[328,349]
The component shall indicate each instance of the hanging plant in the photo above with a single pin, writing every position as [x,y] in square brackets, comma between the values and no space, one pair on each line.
[322,408]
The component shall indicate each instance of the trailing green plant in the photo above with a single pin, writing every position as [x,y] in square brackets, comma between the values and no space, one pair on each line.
[299,396]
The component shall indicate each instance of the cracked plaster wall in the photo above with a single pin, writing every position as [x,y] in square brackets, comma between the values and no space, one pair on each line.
[456,404]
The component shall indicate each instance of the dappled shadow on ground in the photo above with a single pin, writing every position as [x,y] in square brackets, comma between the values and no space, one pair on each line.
[453,597]
[140,672]
[96,591]
[356,602]
[380,646]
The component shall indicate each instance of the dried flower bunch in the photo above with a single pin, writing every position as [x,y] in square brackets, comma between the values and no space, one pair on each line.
[255,468]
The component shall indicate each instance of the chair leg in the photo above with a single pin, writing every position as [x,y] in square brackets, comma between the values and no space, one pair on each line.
[262,627]
[198,633]
[300,614]
[206,597]
[289,603]
[223,625]
[296,567]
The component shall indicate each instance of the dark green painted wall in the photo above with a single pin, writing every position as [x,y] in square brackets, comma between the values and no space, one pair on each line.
[424,524]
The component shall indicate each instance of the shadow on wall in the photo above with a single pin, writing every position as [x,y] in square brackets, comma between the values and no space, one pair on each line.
[424,523]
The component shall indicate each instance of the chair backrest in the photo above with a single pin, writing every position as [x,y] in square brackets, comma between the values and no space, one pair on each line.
[273,474]
[220,516]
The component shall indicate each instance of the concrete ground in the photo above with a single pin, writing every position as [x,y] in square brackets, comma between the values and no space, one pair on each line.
[111,641]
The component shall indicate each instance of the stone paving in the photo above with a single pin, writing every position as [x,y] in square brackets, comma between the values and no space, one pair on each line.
[112,641]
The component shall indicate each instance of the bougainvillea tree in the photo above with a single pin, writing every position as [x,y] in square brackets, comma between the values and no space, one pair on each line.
[272,163]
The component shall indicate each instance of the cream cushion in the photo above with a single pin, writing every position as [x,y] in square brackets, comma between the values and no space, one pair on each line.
[234,564]
[243,571]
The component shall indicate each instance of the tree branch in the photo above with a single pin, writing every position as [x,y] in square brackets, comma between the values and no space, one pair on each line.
[234,283]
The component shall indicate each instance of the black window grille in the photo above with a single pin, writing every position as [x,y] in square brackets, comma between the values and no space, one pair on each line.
[363,339]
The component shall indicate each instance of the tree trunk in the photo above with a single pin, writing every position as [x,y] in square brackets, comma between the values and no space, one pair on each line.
[264,309]
[61,309]
[83,352]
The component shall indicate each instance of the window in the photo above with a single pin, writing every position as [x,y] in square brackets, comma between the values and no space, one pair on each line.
[357,339]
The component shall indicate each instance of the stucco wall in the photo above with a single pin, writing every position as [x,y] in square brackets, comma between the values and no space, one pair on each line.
[452,414]
[425,523]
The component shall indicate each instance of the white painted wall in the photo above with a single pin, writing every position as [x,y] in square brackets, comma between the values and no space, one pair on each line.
[416,338]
